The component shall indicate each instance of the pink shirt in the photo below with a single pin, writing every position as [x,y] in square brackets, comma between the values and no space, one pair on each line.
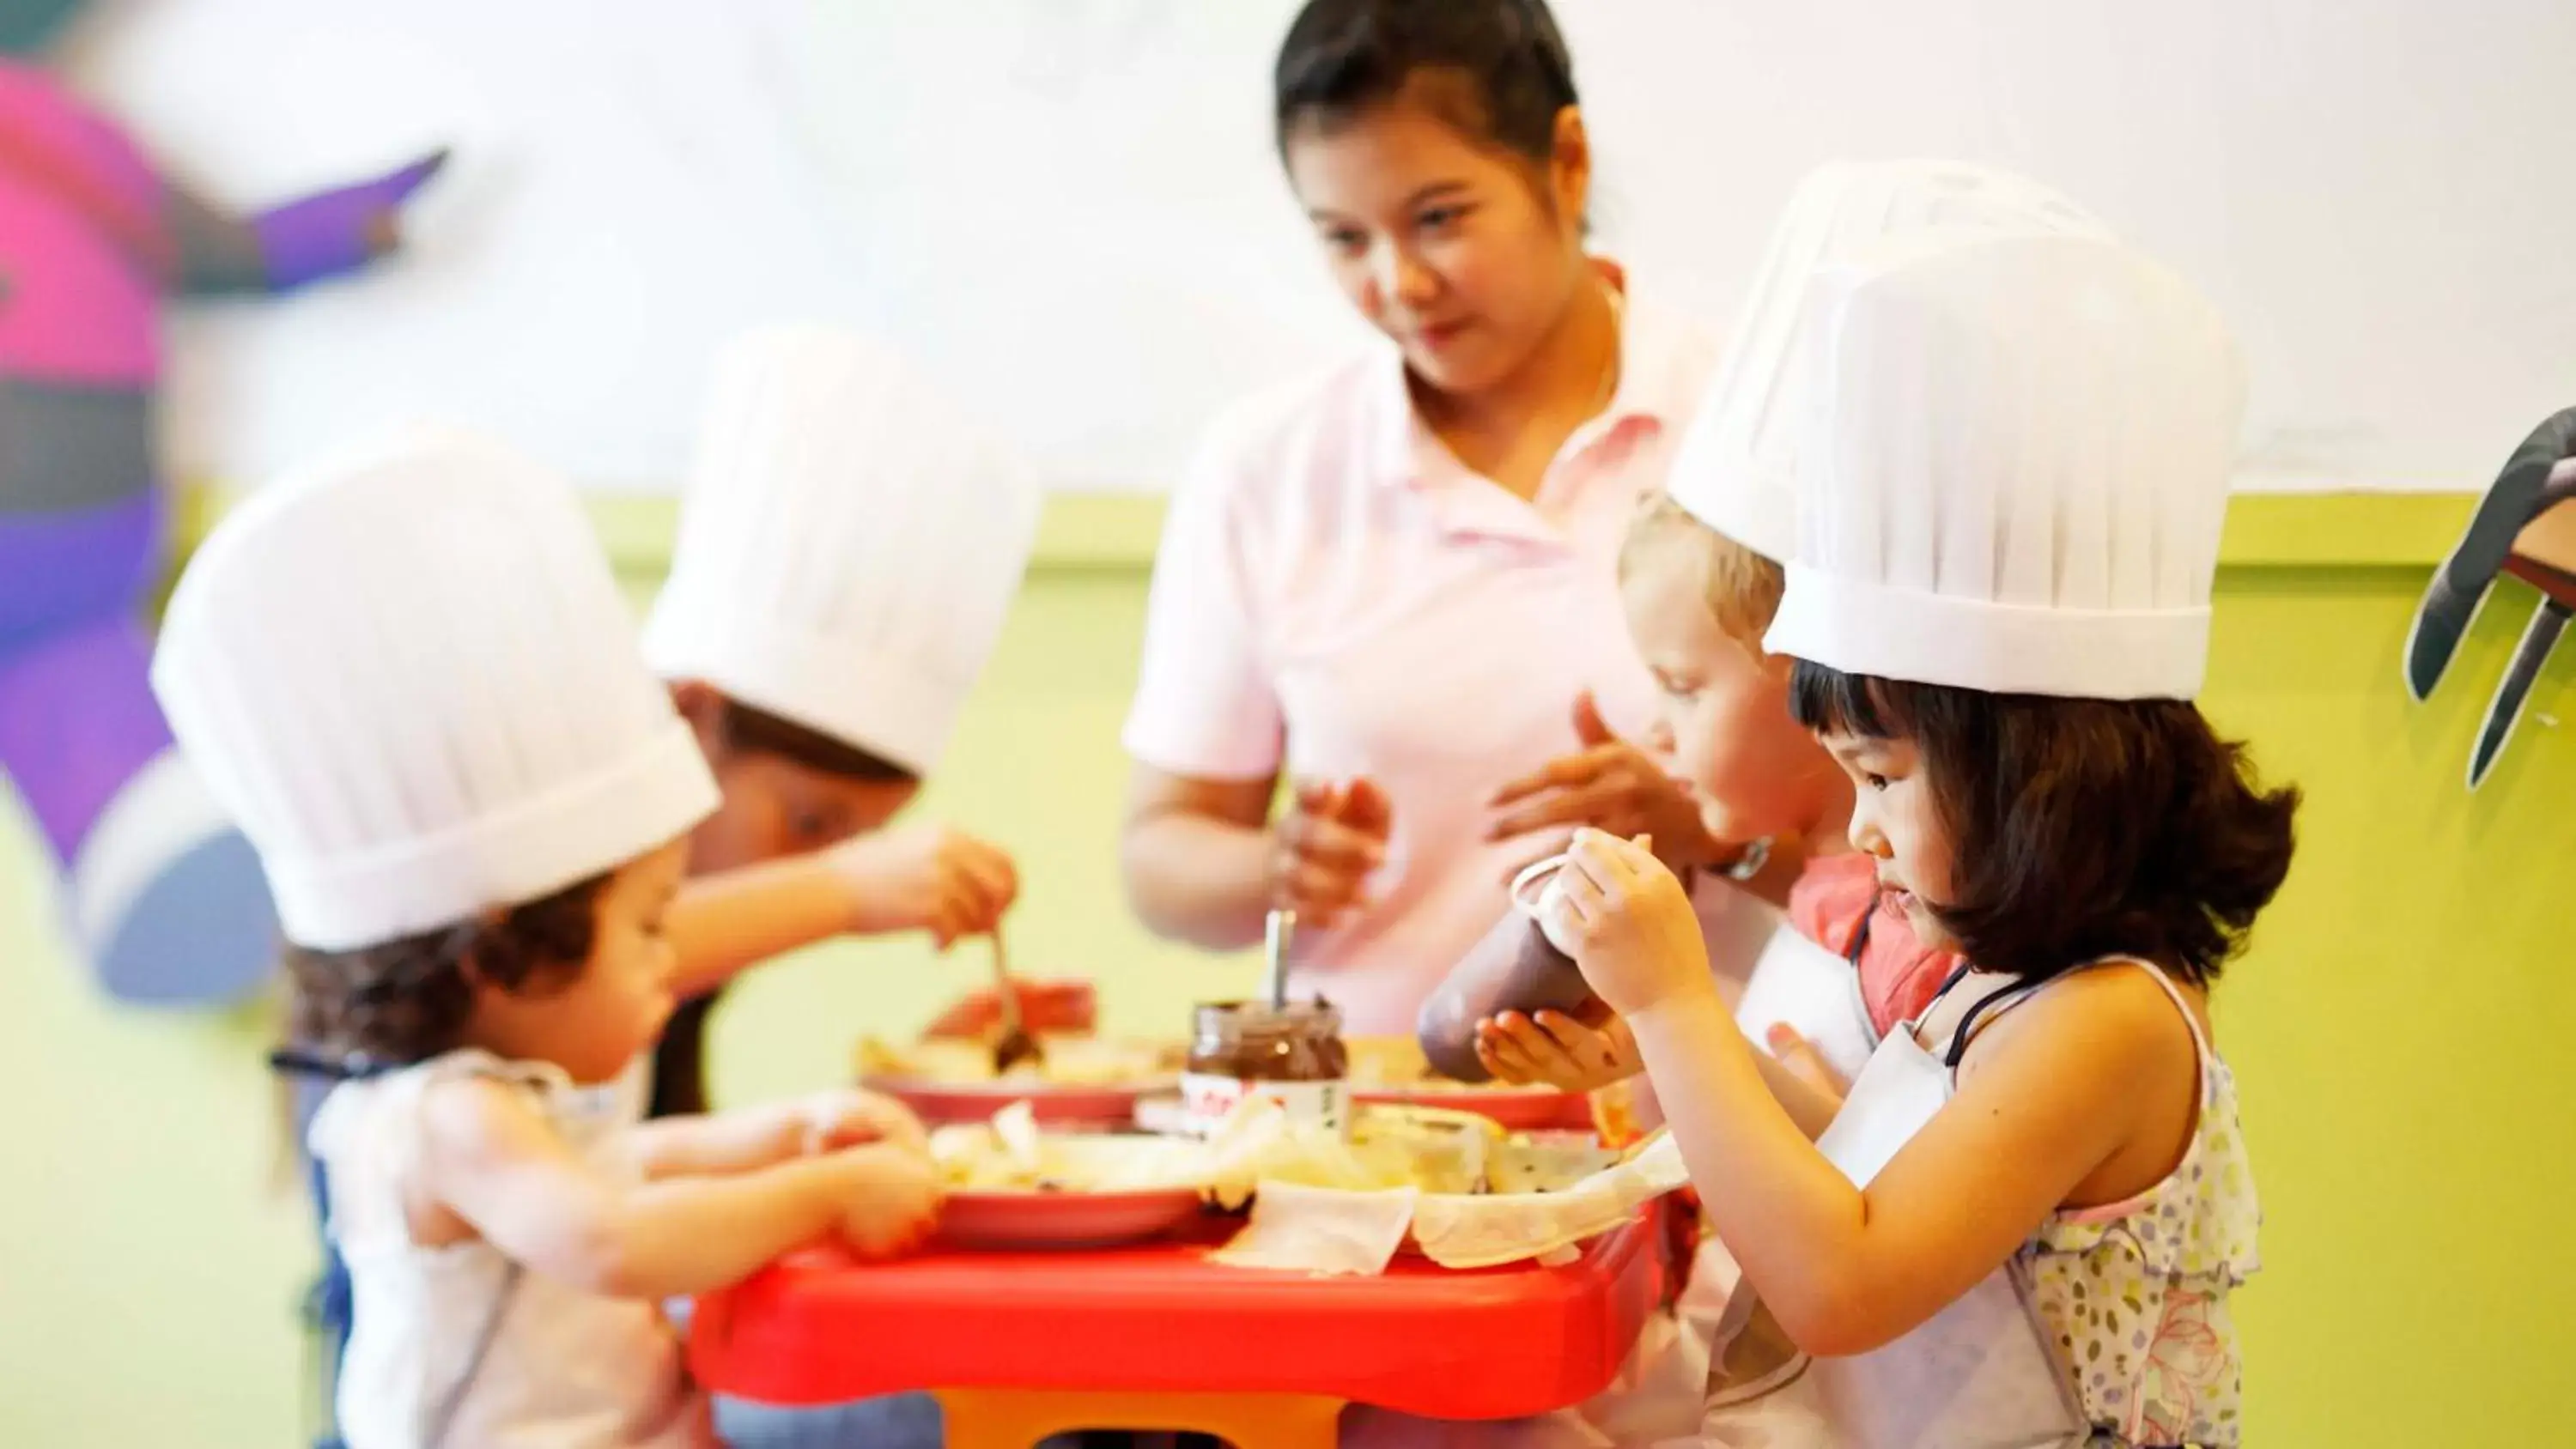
[1336,595]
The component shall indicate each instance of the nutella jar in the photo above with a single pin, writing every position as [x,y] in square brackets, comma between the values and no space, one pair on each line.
[1291,1054]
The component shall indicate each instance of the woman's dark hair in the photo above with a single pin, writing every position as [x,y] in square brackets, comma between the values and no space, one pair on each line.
[407,1000]
[1496,69]
[746,728]
[2079,828]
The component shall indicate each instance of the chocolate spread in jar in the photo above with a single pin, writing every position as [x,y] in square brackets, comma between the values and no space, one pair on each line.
[1291,1054]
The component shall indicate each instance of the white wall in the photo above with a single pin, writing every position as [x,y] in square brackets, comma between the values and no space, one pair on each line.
[1071,206]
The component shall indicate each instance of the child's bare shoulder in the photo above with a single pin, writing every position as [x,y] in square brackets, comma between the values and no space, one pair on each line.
[470,1118]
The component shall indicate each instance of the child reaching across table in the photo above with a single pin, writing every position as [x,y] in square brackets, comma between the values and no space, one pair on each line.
[410,678]
[849,547]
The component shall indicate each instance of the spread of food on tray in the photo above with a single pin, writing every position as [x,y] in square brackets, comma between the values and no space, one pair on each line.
[1347,1151]
[1465,1191]
[1106,1081]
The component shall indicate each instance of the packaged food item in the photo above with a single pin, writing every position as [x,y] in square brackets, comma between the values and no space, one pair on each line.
[1291,1054]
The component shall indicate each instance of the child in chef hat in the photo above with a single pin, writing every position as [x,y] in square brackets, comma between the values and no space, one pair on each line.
[2011,488]
[848,549]
[410,678]
[1701,575]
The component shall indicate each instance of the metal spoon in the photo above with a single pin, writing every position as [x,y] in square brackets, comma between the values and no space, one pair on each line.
[1276,931]
[1014,1045]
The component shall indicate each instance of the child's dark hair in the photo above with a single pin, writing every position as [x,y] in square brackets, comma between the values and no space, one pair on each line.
[2079,828]
[408,999]
[1495,69]
[746,728]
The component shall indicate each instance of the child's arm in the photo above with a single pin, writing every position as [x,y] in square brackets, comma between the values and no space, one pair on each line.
[931,878]
[756,1137]
[2055,1093]
[495,1161]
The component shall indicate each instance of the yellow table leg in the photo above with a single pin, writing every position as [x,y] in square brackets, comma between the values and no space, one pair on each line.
[1019,1419]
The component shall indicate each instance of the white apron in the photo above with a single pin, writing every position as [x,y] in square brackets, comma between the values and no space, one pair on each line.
[1980,1374]
[1816,993]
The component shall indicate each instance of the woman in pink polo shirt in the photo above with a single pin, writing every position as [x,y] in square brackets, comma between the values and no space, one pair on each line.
[1393,581]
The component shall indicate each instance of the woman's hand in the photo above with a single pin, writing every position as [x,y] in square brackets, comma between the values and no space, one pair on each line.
[1325,845]
[1608,784]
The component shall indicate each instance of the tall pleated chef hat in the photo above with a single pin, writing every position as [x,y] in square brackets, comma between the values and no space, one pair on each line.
[1735,469]
[409,676]
[2015,468]
[849,547]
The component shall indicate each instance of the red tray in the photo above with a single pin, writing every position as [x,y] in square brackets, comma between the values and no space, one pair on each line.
[1498,1343]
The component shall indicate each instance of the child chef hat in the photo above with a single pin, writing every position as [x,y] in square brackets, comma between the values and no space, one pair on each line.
[2014,470]
[1735,469]
[410,678]
[849,547]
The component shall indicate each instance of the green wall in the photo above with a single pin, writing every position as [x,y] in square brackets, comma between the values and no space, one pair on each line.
[2399,1028]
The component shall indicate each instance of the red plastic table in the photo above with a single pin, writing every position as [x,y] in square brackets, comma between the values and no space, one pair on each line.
[1019,1346]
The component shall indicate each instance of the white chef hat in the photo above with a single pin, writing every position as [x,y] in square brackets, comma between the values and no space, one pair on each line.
[2015,469]
[409,677]
[849,548]
[1735,469]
